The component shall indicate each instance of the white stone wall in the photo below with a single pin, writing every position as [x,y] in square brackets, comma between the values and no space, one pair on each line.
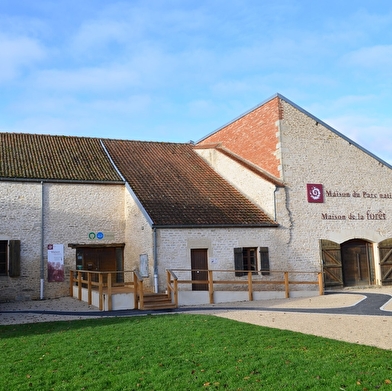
[71,212]
[174,249]
[255,188]
[20,211]
[139,239]
[313,154]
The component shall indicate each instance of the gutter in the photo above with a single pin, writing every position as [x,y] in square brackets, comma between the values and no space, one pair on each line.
[178,226]
[78,181]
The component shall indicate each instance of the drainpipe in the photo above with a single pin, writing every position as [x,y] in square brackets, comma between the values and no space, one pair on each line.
[42,267]
[276,189]
[155,260]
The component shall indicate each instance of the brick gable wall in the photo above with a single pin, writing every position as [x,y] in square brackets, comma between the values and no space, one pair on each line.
[254,136]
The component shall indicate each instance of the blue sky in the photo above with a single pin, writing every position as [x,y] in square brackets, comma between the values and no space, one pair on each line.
[169,70]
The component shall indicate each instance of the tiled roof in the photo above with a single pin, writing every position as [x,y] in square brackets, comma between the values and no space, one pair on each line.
[31,156]
[178,188]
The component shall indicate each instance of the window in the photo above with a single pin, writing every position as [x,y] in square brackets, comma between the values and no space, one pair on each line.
[3,257]
[10,259]
[245,259]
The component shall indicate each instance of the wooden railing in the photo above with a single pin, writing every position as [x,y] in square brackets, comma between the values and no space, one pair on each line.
[105,283]
[138,293]
[172,286]
[250,283]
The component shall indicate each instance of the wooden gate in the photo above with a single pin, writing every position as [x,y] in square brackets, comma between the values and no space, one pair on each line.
[332,263]
[385,249]
[199,266]
[357,262]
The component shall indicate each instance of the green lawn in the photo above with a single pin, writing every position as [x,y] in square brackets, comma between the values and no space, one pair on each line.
[182,352]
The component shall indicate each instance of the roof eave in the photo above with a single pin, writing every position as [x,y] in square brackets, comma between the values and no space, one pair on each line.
[78,181]
[193,226]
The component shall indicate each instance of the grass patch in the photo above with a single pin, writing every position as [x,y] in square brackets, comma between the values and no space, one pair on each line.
[182,352]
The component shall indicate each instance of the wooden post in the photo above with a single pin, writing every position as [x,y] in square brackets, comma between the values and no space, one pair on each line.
[250,286]
[100,291]
[210,286]
[141,295]
[79,285]
[135,291]
[89,289]
[286,285]
[168,283]
[109,291]
[175,292]
[321,283]
[71,279]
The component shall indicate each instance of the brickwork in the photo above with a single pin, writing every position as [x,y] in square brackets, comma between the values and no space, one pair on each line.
[71,212]
[279,138]
[254,136]
[313,154]
[174,250]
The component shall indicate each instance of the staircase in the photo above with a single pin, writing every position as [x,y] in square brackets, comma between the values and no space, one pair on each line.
[156,301]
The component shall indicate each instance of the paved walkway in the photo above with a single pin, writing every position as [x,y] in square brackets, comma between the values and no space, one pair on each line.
[357,303]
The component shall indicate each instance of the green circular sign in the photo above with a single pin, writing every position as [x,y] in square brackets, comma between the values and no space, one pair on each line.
[91,235]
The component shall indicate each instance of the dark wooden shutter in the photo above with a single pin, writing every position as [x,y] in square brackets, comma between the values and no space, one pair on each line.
[14,260]
[332,263]
[385,249]
[239,261]
[264,261]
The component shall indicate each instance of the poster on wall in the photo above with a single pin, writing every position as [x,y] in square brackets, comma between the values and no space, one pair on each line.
[55,263]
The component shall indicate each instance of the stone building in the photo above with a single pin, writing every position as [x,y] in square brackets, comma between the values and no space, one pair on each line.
[275,189]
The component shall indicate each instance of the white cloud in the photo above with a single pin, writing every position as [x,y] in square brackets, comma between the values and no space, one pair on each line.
[17,53]
[127,106]
[370,133]
[87,79]
[94,37]
[376,57]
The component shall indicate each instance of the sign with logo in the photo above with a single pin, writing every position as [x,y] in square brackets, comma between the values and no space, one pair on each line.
[315,192]
[55,263]
[96,235]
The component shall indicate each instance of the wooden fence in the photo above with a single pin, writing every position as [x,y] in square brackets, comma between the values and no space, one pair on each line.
[107,283]
[277,278]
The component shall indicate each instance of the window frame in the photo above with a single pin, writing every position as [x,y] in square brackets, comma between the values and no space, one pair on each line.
[245,261]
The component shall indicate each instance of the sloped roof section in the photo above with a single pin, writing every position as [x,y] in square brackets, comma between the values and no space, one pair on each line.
[45,157]
[178,188]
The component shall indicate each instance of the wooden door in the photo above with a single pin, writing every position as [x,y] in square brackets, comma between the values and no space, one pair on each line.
[199,266]
[356,263]
[385,249]
[332,264]
[100,259]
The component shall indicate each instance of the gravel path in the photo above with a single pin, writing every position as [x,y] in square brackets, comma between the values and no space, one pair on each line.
[306,315]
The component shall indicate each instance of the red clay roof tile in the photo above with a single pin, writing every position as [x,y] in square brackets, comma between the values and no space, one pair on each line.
[32,156]
[178,188]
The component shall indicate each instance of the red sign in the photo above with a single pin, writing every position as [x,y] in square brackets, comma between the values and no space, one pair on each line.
[315,192]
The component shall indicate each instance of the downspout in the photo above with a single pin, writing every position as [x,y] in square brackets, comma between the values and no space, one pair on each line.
[155,260]
[42,267]
[276,189]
